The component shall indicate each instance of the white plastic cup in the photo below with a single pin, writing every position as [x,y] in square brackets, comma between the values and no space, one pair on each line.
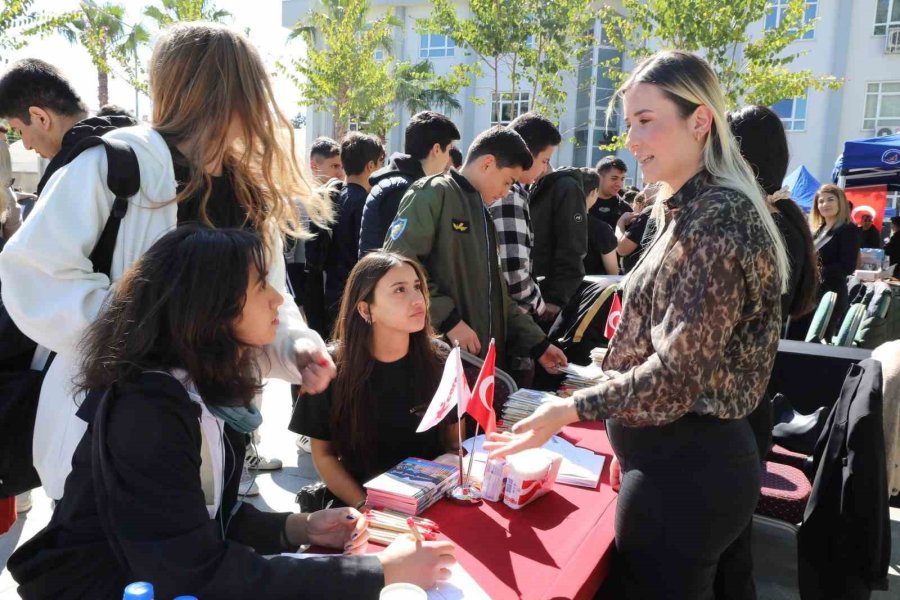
[402,591]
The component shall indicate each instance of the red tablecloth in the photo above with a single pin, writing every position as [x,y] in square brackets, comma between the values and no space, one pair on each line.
[7,514]
[558,547]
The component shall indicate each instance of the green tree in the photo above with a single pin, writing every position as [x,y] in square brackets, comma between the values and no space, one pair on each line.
[561,34]
[101,29]
[533,42]
[418,88]
[171,11]
[752,70]
[18,22]
[339,73]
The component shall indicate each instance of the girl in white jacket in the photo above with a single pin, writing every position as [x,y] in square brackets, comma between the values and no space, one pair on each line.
[219,152]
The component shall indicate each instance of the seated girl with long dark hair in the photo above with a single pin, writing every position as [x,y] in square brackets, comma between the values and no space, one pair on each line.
[170,367]
[388,368]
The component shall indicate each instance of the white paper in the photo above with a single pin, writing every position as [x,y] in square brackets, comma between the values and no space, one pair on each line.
[579,467]
[460,586]
[592,371]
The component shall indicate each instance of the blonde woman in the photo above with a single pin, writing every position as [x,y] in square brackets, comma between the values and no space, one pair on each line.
[837,244]
[220,153]
[695,344]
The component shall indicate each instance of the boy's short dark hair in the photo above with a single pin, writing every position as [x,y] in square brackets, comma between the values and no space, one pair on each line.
[33,82]
[610,162]
[630,195]
[538,131]
[505,145]
[591,179]
[895,221]
[358,150]
[113,110]
[426,129]
[324,147]
[456,157]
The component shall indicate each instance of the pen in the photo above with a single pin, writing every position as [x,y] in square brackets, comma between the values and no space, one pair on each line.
[414,529]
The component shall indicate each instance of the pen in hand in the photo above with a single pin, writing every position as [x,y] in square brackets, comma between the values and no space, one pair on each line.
[415,530]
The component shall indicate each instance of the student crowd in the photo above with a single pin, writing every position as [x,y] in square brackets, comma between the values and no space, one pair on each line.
[159,363]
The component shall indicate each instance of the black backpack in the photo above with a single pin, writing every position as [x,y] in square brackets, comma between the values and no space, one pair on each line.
[20,385]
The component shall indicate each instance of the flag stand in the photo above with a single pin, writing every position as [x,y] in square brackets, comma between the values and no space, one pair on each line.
[462,493]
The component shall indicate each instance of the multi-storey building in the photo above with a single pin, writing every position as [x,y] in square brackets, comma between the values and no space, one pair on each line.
[857,41]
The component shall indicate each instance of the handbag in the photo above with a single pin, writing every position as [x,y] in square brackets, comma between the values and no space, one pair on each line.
[315,496]
[20,385]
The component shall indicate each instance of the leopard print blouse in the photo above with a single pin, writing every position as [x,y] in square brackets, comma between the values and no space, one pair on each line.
[701,316]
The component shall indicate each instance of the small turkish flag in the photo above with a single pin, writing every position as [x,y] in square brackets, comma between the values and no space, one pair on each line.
[481,402]
[612,321]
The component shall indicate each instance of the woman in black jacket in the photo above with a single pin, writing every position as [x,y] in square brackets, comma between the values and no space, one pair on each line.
[170,366]
[837,244]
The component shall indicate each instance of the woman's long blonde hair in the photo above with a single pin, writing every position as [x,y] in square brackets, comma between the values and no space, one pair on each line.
[689,82]
[202,77]
[816,220]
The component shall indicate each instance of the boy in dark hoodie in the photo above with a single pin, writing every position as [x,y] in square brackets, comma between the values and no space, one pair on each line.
[428,140]
[361,155]
[559,219]
[443,222]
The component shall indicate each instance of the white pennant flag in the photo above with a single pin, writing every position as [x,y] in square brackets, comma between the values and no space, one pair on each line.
[452,391]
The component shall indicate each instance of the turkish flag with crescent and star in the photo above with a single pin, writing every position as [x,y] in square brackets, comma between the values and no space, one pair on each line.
[612,321]
[481,403]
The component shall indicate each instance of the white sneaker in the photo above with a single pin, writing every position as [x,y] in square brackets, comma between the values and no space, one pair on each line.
[248,485]
[23,502]
[304,444]
[255,462]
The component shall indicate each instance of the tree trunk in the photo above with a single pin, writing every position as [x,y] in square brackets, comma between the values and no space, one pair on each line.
[341,124]
[102,88]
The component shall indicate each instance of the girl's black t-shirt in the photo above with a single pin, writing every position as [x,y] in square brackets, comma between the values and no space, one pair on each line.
[397,415]
[223,209]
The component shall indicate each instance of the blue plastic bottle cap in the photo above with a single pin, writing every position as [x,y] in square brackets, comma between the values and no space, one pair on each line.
[139,590]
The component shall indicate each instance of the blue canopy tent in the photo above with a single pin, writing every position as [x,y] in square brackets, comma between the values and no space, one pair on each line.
[803,187]
[870,161]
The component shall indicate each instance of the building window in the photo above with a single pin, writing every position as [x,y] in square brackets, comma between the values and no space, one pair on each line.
[882,105]
[776,13]
[379,54]
[433,45]
[887,14]
[792,113]
[505,107]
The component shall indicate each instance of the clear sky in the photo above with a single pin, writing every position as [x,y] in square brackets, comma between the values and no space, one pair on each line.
[262,17]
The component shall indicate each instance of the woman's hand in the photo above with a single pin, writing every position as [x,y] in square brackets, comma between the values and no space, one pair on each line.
[533,431]
[315,366]
[419,563]
[342,528]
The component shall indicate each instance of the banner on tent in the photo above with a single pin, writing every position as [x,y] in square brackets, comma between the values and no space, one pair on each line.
[871,200]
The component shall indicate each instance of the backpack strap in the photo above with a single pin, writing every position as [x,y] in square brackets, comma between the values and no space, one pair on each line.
[588,317]
[124,180]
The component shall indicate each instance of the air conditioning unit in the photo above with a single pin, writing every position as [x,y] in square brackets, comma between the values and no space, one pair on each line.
[892,41]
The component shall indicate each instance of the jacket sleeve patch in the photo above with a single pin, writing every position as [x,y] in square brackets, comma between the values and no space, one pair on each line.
[398,227]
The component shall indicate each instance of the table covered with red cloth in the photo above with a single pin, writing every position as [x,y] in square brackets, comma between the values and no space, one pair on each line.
[7,514]
[560,546]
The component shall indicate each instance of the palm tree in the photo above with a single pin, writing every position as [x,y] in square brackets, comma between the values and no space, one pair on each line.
[185,10]
[101,29]
[418,88]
